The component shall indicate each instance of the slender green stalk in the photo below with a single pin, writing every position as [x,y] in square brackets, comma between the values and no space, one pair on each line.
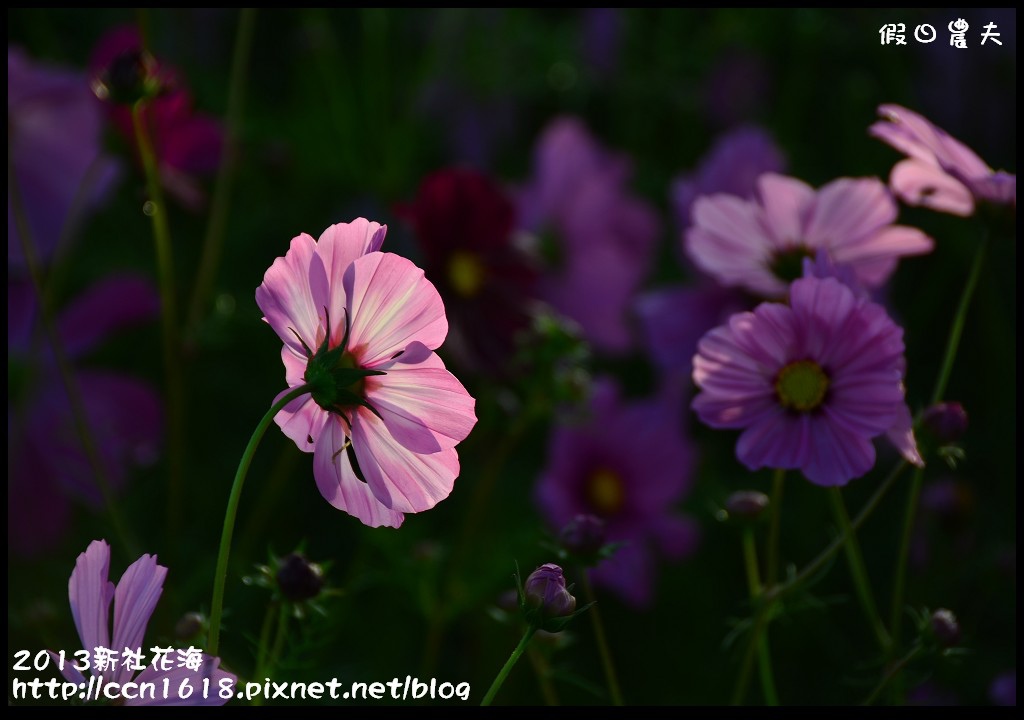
[602,641]
[771,574]
[771,696]
[215,228]
[78,413]
[893,671]
[860,576]
[221,573]
[543,672]
[775,593]
[507,667]
[156,208]
[913,494]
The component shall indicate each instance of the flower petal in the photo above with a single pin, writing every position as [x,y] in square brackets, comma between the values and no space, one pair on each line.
[134,601]
[176,678]
[339,246]
[286,299]
[402,480]
[921,184]
[889,243]
[847,210]
[112,303]
[786,203]
[339,485]
[90,594]
[391,305]
[836,455]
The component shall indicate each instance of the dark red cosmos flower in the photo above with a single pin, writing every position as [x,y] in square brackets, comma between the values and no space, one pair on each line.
[465,225]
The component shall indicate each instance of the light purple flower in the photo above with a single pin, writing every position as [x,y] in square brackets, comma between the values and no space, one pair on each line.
[605,237]
[630,464]
[134,599]
[546,593]
[54,127]
[941,172]
[731,166]
[47,464]
[810,383]
[759,245]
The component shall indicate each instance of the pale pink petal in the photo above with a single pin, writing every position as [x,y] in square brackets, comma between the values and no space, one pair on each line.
[286,299]
[134,601]
[920,184]
[425,409]
[901,434]
[391,304]
[90,594]
[340,486]
[402,480]
[888,243]
[916,136]
[338,247]
[847,210]
[786,203]
[302,419]
[196,679]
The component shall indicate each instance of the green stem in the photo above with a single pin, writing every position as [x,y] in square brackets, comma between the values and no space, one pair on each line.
[771,697]
[860,576]
[543,673]
[893,671]
[913,495]
[214,241]
[156,208]
[221,573]
[771,574]
[602,641]
[507,667]
[775,593]
[78,413]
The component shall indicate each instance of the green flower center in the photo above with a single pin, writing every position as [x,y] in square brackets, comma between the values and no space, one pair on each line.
[605,492]
[788,265]
[801,385]
[466,273]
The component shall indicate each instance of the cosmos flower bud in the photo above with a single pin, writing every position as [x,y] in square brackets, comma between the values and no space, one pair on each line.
[298,578]
[945,628]
[746,505]
[546,595]
[583,537]
[946,421]
[131,76]
[189,626]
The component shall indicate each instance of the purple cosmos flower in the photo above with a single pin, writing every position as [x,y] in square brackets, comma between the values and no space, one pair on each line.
[47,464]
[186,143]
[605,237]
[629,465]
[134,599]
[54,126]
[941,172]
[732,166]
[809,383]
[385,415]
[760,245]
[465,225]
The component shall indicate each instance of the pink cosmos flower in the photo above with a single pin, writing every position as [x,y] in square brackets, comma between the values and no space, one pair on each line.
[760,245]
[134,599]
[385,415]
[810,383]
[941,172]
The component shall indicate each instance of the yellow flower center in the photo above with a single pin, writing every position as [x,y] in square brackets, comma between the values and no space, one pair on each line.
[605,492]
[801,385]
[466,273]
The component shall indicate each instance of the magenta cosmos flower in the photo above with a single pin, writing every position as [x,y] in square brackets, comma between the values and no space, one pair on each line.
[604,237]
[629,465]
[810,383]
[134,599]
[941,172]
[759,245]
[384,415]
